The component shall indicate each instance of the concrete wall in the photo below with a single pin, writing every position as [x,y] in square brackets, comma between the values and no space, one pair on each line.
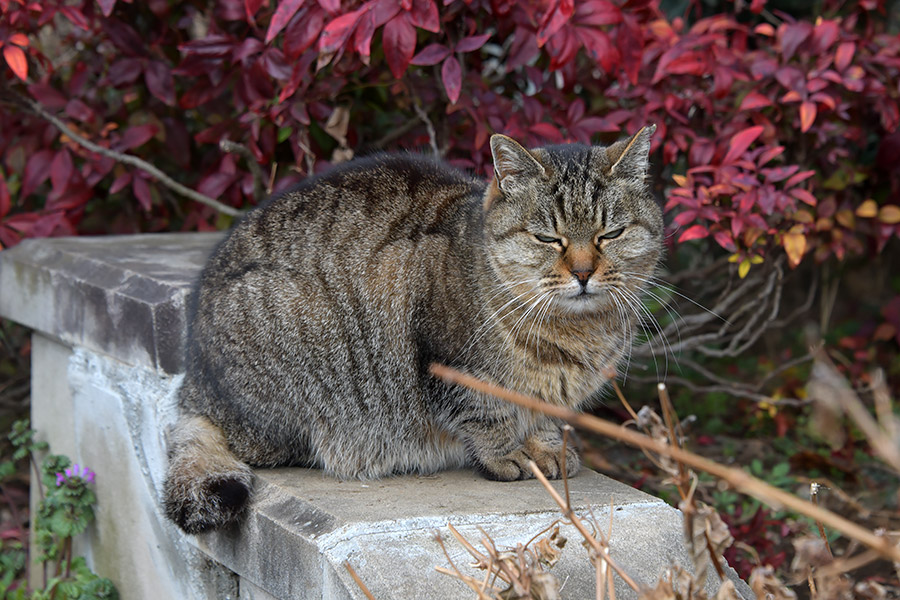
[109,320]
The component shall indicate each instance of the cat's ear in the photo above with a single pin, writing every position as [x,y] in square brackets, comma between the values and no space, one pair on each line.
[512,162]
[631,158]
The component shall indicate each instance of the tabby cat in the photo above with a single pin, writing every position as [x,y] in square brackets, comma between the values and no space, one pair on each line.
[317,318]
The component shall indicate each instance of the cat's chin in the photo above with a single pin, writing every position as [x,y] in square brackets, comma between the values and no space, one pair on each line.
[581,304]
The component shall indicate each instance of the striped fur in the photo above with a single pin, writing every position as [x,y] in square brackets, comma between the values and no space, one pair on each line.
[317,318]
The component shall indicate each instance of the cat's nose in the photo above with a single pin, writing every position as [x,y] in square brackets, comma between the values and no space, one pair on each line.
[582,276]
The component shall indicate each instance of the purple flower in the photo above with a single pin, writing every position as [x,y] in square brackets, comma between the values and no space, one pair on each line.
[75,472]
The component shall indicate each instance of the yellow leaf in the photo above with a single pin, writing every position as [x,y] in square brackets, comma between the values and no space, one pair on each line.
[795,246]
[845,218]
[734,258]
[803,216]
[756,260]
[743,268]
[681,180]
[889,214]
[867,209]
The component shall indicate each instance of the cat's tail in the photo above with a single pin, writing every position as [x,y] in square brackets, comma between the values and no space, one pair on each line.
[206,487]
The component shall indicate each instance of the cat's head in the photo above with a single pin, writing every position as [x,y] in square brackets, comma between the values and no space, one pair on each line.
[572,222]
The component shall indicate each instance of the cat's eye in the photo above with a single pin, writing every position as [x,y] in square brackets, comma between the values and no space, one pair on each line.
[611,235]
[547,239]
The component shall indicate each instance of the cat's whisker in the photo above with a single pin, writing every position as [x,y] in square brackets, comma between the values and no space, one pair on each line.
[627,334]
[656,281]
[635,301]
[538,320]
[482,330]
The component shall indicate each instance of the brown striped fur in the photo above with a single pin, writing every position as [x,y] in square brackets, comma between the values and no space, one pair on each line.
[317,318]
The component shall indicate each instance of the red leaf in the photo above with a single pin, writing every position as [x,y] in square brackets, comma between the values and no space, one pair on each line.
[790,37]
[125,71]
[136,136]
[451,75]
[597,12]
[740,142]
[843,56]
[215,184]
[824,35]
[142,192]
[5,200]
[337,32]
[120,182]
[424,14]
[60,170]
[724,239]
[798,177]
[332,6]
[431,54]
[694,232]
[807,115]
[554,20]
[107,6]
[283,14]
[251,7]
[37,169]
[246,49]
[160,82]
[599,47]
[15,58]
[47,95]
[301,34]
[399,41]
[76,16]
[472,42]
[546,131]
[124,37]
[754,100]
[803,196]
[769,154]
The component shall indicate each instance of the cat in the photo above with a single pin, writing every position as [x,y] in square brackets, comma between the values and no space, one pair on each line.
[317,318]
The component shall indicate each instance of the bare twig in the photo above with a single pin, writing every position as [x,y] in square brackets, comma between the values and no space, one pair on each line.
[129,159]
[738,479]
[579,525]
[260,191]
[358,581]
[562,461]
[429,126]
[814,498]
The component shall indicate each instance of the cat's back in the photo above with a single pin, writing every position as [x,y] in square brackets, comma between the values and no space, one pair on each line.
[365,202]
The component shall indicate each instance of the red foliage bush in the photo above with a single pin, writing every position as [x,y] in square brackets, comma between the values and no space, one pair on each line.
[773,131]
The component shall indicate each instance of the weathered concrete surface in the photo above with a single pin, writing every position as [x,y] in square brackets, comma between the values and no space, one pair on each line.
[110,315]
[111,417]
[121,295]
[385,529]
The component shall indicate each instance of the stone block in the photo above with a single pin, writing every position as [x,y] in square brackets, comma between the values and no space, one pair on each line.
[125,296]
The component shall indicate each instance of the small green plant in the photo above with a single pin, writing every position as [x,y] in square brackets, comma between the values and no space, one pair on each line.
[65,511]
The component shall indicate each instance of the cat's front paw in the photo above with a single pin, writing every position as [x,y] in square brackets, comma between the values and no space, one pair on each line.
[514,466]
[549,459]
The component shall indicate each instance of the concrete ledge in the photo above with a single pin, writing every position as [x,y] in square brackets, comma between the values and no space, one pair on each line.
[308,525]
[110,316]
[124,296]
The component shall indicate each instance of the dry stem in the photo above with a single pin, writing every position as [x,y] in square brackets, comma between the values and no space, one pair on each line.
[579,525]
[736,478]
[358,581]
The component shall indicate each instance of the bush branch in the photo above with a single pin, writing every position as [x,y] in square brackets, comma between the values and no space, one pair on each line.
[129,159]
